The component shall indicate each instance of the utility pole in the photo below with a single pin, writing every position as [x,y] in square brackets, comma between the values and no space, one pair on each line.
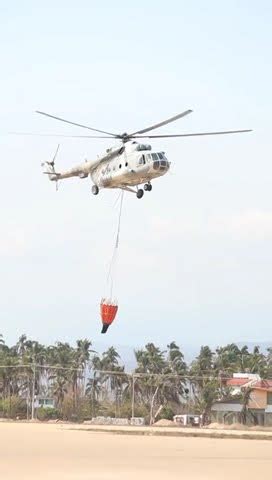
[28,400]
[33,393]
[133,396]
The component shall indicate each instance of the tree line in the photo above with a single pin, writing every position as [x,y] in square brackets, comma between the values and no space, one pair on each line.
[85,384]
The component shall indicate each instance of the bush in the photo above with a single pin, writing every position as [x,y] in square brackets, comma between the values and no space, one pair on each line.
[108,409]
[67,407]
[166,412]
[13,407]
[45,414]
[81,412]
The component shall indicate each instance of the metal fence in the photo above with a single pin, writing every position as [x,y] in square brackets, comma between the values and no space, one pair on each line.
[95,392]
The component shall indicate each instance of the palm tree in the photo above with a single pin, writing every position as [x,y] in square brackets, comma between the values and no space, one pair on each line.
[108,380]
[150,361]
[205,381]
[9,375]
[178,368]
[117,380]
[93,391]
[227,359]
[176,359]
[81,356]
[257,362]
[22,345]
[245,397]
[268,366]
[60,389]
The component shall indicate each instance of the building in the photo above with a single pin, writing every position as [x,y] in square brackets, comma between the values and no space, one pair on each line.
[226,411]
[258,407]
[240,380]
[260,401]
[44,402]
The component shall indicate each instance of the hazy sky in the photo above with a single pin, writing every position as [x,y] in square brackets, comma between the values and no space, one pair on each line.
[195,258]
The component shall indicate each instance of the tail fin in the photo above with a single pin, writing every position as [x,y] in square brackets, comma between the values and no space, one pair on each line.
[50,167]
[50,171]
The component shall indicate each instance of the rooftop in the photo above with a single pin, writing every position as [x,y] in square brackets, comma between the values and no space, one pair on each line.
[263,384]
[237,382]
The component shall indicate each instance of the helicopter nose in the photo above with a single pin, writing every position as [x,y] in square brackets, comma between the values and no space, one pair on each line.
[161,165]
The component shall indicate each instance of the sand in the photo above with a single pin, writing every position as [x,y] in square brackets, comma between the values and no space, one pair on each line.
[57,452]
[165,423]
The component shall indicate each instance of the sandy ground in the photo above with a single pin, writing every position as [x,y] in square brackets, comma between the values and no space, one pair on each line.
[56,452]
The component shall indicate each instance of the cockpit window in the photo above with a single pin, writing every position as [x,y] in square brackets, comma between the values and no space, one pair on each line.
[160,156]
[154,156]
[141,147]
[142,160]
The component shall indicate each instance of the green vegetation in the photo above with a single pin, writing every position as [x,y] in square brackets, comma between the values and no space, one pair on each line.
[74,383]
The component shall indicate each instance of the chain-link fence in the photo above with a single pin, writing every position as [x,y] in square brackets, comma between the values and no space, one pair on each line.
[49,392]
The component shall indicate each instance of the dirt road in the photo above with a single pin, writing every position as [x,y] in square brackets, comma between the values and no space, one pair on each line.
[55,452]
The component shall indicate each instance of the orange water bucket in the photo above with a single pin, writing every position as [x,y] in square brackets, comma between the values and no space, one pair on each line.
[108,313]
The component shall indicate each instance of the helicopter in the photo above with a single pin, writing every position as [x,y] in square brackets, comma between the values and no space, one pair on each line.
[128,165]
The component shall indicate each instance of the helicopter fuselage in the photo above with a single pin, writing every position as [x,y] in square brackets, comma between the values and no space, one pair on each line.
[124,167]
[134,166]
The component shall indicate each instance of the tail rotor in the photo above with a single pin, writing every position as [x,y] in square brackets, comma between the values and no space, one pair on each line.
[50,168]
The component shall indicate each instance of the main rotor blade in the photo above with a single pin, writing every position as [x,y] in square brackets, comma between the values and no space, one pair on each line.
[165,122]
[56,135]
[192,134]
[54,158]
[77,124]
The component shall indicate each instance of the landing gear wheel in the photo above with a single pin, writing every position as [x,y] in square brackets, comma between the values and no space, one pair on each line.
[148,187]
[95,190]
[140,193]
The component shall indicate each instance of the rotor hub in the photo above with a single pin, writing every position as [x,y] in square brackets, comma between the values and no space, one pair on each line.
[124,137]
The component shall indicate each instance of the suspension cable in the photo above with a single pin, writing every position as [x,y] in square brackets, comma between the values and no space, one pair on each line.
[115,250]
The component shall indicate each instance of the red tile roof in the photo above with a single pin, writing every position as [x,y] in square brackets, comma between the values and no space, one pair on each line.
[237,382]
[264,384]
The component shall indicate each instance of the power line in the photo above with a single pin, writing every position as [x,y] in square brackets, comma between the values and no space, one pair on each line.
[122,373]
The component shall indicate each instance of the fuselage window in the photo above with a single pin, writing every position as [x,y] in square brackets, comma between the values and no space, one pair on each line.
[120,166]
[126,164]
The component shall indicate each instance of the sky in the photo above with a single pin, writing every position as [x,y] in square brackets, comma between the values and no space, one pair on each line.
[195,259]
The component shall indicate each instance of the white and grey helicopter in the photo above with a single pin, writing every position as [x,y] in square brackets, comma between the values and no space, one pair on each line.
[127,165]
